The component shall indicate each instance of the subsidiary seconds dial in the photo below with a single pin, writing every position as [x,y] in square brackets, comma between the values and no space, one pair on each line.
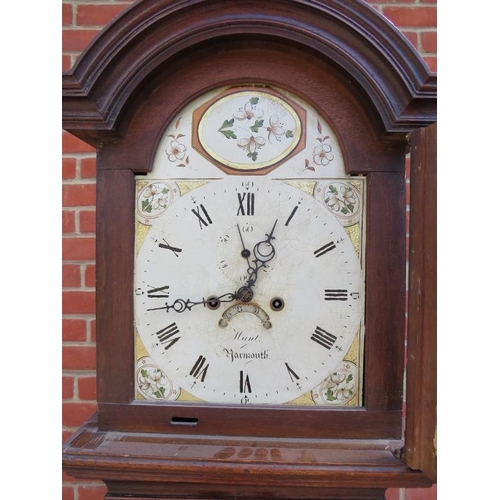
[247,291]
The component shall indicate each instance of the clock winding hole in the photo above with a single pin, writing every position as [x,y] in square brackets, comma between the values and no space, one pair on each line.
[277,304]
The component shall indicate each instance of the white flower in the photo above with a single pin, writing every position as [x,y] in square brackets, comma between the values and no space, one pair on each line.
[322,154]
[348,194]
[274,129]
[175,151]
[251,143]
[248,112]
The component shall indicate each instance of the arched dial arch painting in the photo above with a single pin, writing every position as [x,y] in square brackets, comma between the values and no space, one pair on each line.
[249,266]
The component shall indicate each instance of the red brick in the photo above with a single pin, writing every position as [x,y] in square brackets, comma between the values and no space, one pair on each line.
[66,435]
[66,63]
[66,478]
[87,221]
[97,15]
[78,249]
[411,16]
[78,302]
[68,385]
[431,63]
[90,275]
[412,37]
[68,168]
[392,494]
[76,40]
[67,14]
[75,414]
[87,389]
[88,168]
[78,358]
[92,492]
[71,276]
[71,144]
[389,1]
[68,493]
[75,195]
[68,221]
[74,330]
[429,41]
[421,493]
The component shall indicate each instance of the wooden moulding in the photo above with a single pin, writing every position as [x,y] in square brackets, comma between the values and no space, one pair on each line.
[170,465]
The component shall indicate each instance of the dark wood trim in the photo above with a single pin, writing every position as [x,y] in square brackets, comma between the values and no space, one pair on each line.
[114,284]
[421,396]
[238,467]
[385,291]
[148,35]
[263,421]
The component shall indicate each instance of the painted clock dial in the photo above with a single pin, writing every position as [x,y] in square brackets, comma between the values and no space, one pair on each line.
[247,290]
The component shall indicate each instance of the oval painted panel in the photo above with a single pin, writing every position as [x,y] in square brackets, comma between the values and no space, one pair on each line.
[248,130]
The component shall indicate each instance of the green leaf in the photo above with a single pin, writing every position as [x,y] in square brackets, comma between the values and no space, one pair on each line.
[254,100]
[349,377]
[350,207]
[253,156]
[164,190]
[144,373]
[227,124]
[289,134]
[329,395]
[256,125]
[344,210]
[229,134]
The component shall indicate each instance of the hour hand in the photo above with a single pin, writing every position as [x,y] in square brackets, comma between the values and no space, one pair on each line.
[263,252]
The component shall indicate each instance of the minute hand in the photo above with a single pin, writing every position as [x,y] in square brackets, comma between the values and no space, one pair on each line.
[263,252]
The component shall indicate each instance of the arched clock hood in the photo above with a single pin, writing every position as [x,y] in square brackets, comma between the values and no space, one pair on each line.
[150,35]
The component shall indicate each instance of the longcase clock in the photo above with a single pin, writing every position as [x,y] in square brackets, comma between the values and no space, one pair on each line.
[251,251]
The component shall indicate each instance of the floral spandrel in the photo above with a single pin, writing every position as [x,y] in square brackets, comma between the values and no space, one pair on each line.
[339,388]
[342,199]
[176,151]
[252,130]
[153,199]
[152,383]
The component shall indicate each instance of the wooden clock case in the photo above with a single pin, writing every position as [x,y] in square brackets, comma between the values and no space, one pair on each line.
[375,91]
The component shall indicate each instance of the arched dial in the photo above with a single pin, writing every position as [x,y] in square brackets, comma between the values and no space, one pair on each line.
[247,292]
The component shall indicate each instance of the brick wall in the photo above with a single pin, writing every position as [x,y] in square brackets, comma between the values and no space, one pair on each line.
[81,22]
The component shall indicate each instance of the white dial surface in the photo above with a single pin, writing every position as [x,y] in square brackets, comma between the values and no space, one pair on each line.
[247,291]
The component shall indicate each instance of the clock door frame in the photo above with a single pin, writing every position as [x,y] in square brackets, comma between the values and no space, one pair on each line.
[174,53]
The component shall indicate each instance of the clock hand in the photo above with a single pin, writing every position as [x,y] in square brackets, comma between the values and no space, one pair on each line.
[245,252]
[181,305]
[261,257]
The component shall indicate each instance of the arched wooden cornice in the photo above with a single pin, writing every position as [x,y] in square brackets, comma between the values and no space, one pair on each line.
[348,33]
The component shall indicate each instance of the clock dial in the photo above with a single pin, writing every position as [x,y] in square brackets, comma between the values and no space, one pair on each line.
[247,290]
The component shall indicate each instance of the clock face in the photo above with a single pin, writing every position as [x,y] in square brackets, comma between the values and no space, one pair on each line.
[248,288]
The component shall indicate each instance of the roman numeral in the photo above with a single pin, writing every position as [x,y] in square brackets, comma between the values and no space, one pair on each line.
[323,338]
[249,206]
[203,219]
[244,383]
[168,247]
[168,336]
[158,293]
[200,369]
[335,294]
[291,215]
[324,249]
[292,374]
